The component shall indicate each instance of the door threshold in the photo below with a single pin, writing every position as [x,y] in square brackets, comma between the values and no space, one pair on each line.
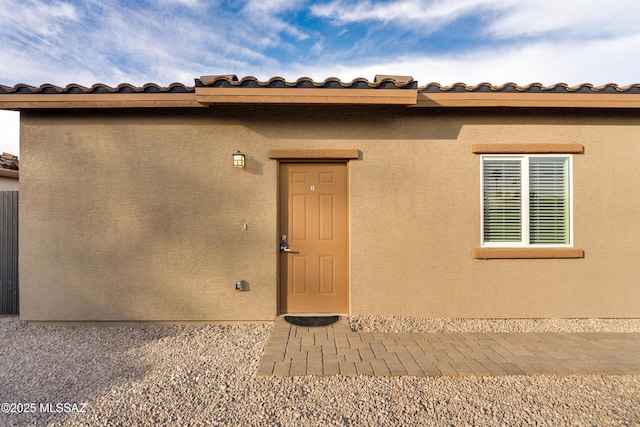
[313,314]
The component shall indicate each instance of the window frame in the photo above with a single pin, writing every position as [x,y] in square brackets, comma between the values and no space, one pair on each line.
[524,211]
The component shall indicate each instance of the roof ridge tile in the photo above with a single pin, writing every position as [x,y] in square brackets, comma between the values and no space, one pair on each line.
[306,82]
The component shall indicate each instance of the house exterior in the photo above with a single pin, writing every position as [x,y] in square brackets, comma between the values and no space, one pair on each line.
[395,199]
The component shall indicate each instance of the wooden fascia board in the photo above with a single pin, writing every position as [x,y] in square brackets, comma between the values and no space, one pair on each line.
[334,154]
[409,97]
[532,148]
[9,173]
[207,95]
[527,253]
[106,100]
[557,100]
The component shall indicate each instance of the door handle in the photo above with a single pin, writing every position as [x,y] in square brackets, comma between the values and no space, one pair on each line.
[284,245]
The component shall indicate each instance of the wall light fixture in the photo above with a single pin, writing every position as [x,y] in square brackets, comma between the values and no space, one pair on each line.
[238,159]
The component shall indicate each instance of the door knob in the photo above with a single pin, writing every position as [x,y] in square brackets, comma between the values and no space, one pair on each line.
[284,245]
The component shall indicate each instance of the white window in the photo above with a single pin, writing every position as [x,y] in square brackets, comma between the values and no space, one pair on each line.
[526,200]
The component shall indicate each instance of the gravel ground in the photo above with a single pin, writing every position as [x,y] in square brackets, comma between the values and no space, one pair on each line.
[415,324]
[204,375]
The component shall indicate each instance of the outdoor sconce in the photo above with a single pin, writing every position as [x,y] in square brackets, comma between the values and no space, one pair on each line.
[238,160]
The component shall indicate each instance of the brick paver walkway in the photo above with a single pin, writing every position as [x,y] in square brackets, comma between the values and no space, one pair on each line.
[336,350]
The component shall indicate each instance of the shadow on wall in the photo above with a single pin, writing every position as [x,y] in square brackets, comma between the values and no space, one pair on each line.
[399,122]
[253,165]
[157,222]
[347,123]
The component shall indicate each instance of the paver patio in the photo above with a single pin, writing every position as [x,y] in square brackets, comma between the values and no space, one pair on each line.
[336,350]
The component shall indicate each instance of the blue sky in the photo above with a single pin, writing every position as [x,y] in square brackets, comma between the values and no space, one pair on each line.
[165,41]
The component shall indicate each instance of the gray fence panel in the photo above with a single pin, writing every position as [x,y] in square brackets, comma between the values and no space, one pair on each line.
[8,252]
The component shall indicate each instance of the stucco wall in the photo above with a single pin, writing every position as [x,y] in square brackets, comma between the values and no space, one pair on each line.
[145,221]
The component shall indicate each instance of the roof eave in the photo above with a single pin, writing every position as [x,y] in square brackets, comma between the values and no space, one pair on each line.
[531,100]
[9,173]
[206,96]
[108,100]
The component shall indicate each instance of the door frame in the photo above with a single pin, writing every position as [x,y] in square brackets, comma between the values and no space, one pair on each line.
[322,159]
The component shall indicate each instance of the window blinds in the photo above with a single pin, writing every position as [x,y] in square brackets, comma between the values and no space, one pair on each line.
[502,201]
[548,200]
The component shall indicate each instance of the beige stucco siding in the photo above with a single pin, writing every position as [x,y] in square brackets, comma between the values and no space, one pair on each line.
[145,221]
[143,216]
[429,221]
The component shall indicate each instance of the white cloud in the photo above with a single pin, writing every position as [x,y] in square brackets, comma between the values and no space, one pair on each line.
[113,43]
[272,6]
[433,13]
[574,63]
[188,3]
[566,18]
[503,18]
[57,10]
[16,66]
[38,18]
[265,18]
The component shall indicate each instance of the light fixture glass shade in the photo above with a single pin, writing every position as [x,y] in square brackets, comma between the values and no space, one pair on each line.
[238,160]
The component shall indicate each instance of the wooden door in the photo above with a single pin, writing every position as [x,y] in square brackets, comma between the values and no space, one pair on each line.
[313,216]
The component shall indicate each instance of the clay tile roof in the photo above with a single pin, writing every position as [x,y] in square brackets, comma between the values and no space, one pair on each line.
[9,162]
[398,80]
[383,90]
[98,88]
[609,88]
[381,82]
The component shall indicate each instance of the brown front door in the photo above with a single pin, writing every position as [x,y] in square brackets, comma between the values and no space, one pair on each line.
[313,216]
